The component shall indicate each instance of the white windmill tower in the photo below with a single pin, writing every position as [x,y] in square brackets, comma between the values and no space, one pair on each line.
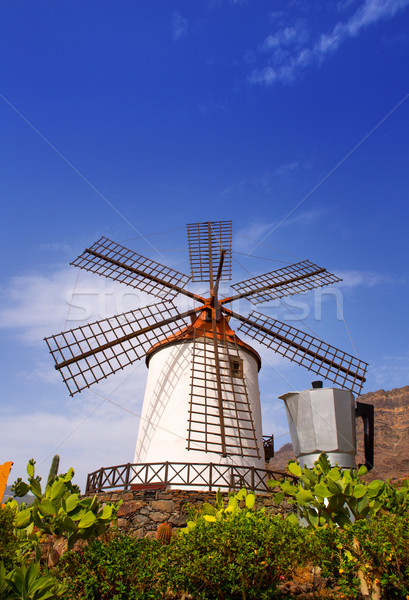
[202,401]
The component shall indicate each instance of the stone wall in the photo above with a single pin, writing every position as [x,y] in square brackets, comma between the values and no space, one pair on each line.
[142,511]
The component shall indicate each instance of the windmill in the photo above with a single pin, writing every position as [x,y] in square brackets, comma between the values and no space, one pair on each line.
[202,398]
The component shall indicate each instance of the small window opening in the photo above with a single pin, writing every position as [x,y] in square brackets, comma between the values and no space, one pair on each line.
[236,366]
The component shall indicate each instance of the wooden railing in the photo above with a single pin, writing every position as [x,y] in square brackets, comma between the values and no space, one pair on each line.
[207,476]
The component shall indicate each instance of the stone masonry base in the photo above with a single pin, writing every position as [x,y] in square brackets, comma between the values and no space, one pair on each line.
[142,511]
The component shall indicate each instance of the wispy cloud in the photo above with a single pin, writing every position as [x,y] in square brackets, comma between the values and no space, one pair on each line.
[103,439]
[288,58]
[391,371]
[353,279]
[216,3]
[179,26]
[89,429]
[36,306]
[56,247]
[307,218]
[208,107]
[284,37]
[285,169]
[244,238]
[266,181]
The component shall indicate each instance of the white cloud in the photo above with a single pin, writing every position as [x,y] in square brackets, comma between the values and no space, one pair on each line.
[352,279]
[266,75]
[211,106]
[234,190]
[284,37]
[88,442]
[246,237]
[179,26]
[286,168]
[56,247]
[390,372]
[36,306]
[41,371]
[88,428]
[275,420]
[285,66]
[265,181]
[257,232]
[216,3]
[306,218]
[371,12]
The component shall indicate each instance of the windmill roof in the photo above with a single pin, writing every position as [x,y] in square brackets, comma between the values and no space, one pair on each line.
[202,327]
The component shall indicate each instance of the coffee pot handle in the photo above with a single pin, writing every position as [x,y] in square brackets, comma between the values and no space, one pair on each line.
[366,411]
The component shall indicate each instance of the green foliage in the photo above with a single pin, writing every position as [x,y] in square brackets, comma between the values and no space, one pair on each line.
[380,550]
[118,569]
[60,511]
[241,501]
[240,557]
[375,550]
[395,499]
[237,557]
[25,541]
[327,496]
[233,550]
[8,540]
[29,583]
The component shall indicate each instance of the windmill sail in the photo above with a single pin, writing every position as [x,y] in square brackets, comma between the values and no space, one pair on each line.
[227,428]
[206,241]
[116,262]
[300,277]
[299,347]
[92,352]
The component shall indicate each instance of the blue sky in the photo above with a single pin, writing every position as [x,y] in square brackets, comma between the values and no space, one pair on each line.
[130,119]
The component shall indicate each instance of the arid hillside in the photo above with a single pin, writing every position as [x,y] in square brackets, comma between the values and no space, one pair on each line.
[391,435]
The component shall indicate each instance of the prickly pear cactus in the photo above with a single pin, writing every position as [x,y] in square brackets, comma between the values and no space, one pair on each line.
[54,468]
[327,496]
[60,510]
[237,502]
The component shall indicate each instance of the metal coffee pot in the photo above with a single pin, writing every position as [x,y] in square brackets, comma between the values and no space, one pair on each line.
[323,420]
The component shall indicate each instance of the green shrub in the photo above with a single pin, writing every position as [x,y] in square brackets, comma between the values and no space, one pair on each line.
[118,569]
[243,556]
[321,549]
[239,557]
[8,541]
[379,548]
[367,553]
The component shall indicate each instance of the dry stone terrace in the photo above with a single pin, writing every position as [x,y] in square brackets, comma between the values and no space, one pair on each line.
[143,510]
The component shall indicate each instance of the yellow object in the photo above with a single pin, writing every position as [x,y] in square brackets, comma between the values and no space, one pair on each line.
[4,475]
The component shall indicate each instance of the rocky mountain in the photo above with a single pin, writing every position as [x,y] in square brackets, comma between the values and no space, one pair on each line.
[391,435]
